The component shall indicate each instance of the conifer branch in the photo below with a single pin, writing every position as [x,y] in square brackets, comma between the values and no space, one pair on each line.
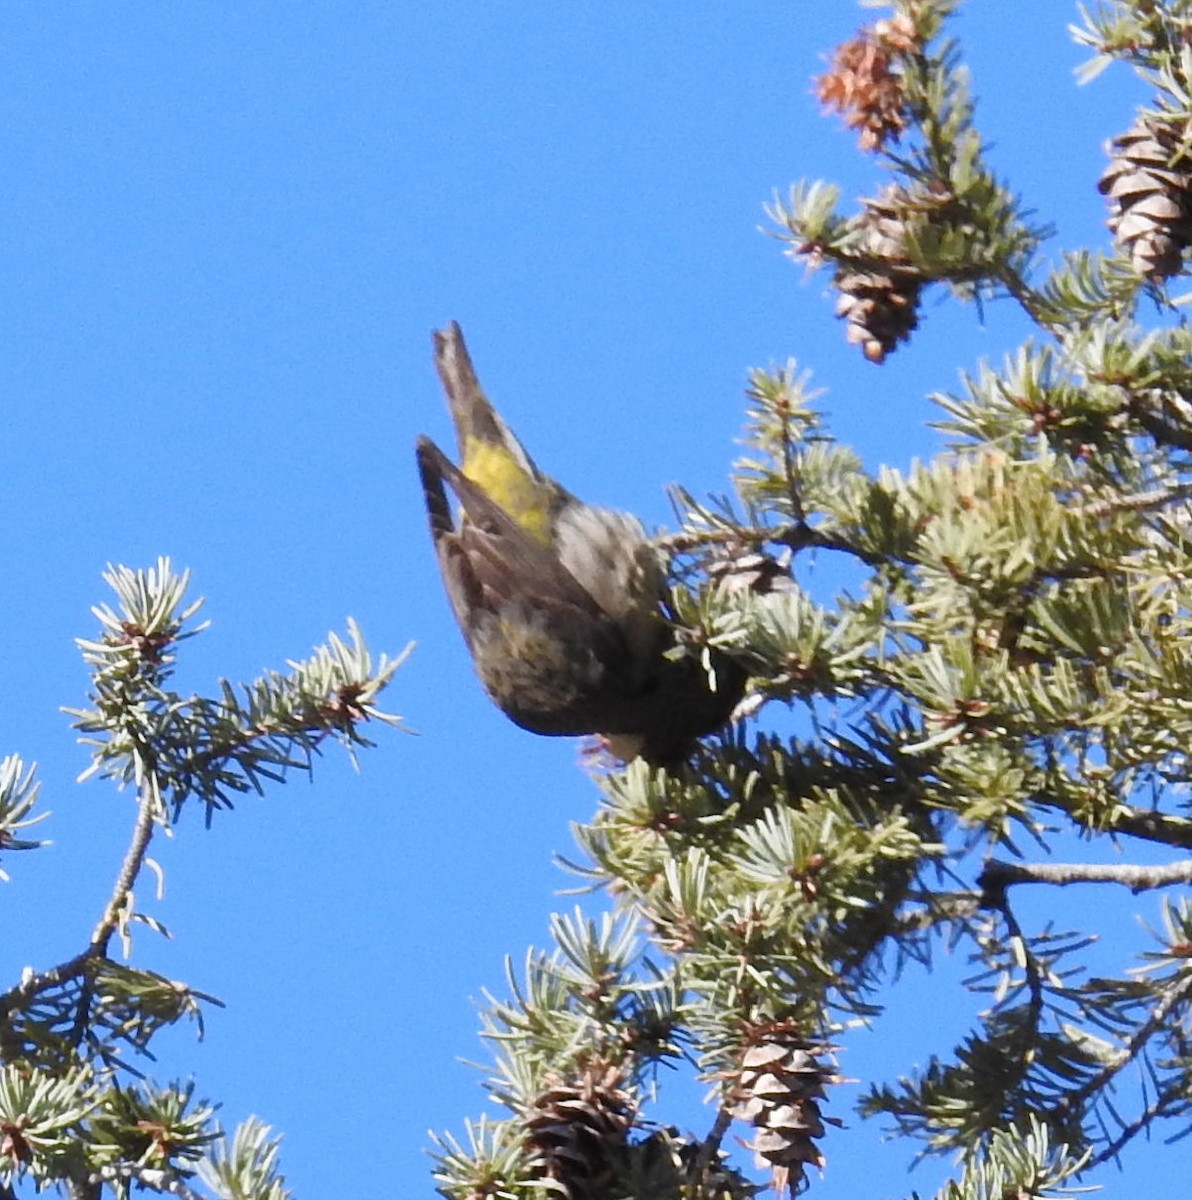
[997,875]
[151,1178]
[34,985]
[798,535]
[1134,1048]
[1166,430]
[1144,823]
[65,1031]
[1137,501]
[116,911]
[1172,1100]
[130,869]
[710,1147]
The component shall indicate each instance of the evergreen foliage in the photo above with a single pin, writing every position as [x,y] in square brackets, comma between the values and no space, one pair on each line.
[77,1110]
[1011,672]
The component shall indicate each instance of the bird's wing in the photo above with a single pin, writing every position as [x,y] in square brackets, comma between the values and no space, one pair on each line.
[489,561]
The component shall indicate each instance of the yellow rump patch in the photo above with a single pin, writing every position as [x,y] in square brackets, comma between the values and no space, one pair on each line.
[506,482]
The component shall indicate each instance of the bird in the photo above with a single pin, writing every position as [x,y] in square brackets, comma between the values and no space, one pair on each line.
[561,603]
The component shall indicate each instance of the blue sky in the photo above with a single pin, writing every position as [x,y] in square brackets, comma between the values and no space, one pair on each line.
[227,232]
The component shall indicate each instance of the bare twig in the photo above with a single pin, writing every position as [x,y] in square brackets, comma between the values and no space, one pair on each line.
[34,985]
[1137,502]
[711,1145]
[1165,430]
[998,875]
[1153,826]
[146,1177]
[803,536]
[1173,1100]
[1128,1053]
[1144,823]
[114,911]
[798,536]
[937,909]
[1031,968]
[130,868]
[687,541]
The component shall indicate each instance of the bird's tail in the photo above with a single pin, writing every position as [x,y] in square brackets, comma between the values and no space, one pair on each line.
[476,421]
[431,462]
[489,453]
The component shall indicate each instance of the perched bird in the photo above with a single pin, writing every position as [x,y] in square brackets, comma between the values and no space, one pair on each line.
[560,602]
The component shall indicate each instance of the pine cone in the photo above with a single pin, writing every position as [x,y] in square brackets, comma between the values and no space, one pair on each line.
[1149,186]
[777,1089]
[577,1128]
[864,82]
[880,307]
[879,287]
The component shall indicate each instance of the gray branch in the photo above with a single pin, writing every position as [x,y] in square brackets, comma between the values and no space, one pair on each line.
[1143,823]
[999,875]
[146,1177]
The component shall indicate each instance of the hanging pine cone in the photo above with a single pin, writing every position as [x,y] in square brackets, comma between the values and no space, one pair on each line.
[1149,186]
[577,1127]
[879,287]
[880,307]
[777,1089]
